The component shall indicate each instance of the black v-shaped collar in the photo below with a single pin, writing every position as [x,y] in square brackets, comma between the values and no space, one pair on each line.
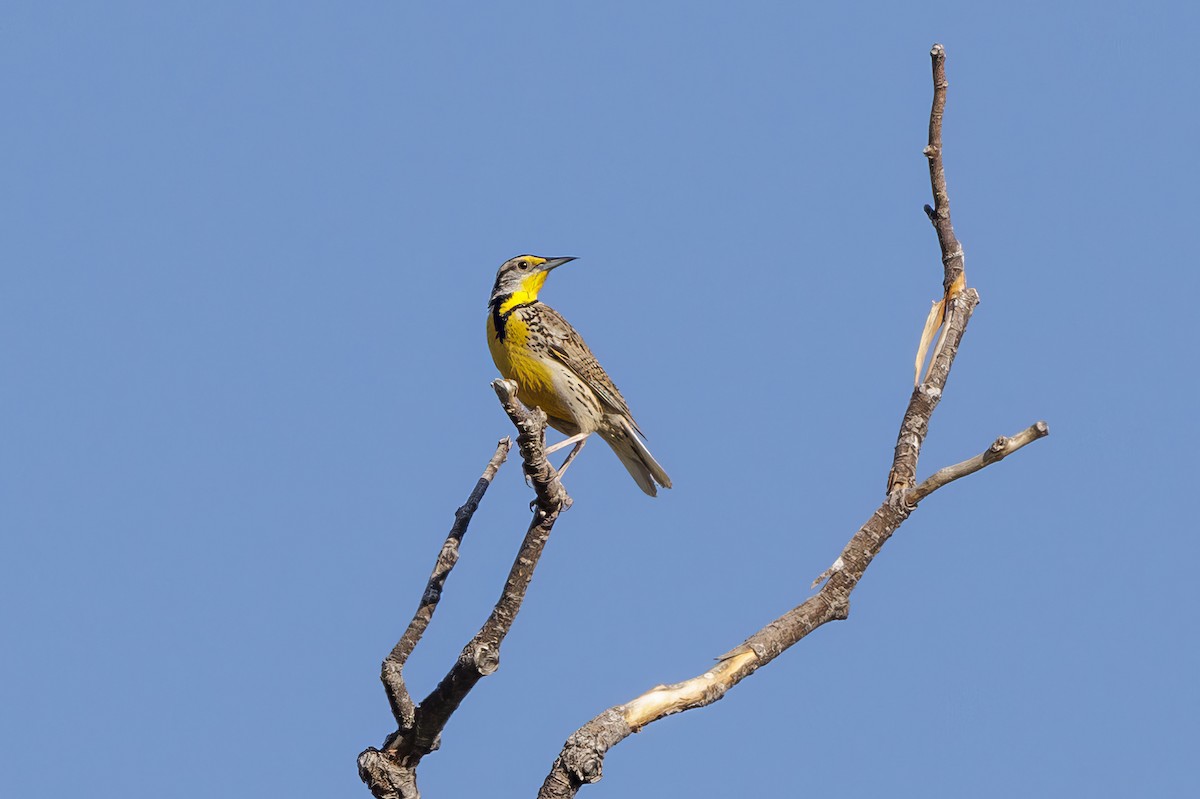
[500,320]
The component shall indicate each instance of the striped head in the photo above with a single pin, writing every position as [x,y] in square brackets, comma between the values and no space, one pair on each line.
[520,279]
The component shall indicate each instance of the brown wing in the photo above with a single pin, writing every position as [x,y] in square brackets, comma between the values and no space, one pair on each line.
[569,348]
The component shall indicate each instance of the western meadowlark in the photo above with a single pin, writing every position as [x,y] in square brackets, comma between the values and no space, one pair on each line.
[554,369]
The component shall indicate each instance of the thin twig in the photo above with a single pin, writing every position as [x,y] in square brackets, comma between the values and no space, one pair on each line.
[392,672]
[1000,449]
[939,214]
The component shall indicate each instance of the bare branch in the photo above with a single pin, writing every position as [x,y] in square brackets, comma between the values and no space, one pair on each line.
[939,214]
[581,760]
[531,443]
[390,773]
[1000,449]
[582,757]
[958,302]
[925,396]
[392,673]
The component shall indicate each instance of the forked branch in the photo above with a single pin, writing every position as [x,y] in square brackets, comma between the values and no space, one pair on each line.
[391,772]
[581,760]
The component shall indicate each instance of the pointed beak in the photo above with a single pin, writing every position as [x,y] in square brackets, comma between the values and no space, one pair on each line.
[552,263]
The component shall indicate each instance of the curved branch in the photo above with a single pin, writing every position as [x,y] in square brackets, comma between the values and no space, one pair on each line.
[581,760]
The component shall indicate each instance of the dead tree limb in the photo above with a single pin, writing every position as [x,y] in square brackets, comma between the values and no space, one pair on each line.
[392,673]
[391,772]
[952,311]
[1000,449]
[939,214]
[581,760]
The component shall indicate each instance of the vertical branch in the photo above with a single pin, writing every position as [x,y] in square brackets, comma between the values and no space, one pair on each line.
[959,302]
[939,214]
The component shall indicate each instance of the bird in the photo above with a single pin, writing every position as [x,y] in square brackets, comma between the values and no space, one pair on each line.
[555,370]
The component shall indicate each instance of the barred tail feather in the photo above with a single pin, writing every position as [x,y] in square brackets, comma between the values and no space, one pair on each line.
[632,452]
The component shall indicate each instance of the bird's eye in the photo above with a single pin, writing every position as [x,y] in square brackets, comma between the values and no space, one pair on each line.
[522,264]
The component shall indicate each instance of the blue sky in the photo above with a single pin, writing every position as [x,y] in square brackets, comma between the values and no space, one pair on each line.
[248,249]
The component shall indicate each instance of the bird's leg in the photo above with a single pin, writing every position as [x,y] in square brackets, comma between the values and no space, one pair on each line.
[567,442]
[563,469]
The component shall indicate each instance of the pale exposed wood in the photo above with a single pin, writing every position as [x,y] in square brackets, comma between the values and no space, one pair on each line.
[1000,449]
[701,690]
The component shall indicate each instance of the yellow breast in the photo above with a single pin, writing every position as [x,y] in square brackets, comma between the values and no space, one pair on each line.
[534,374]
